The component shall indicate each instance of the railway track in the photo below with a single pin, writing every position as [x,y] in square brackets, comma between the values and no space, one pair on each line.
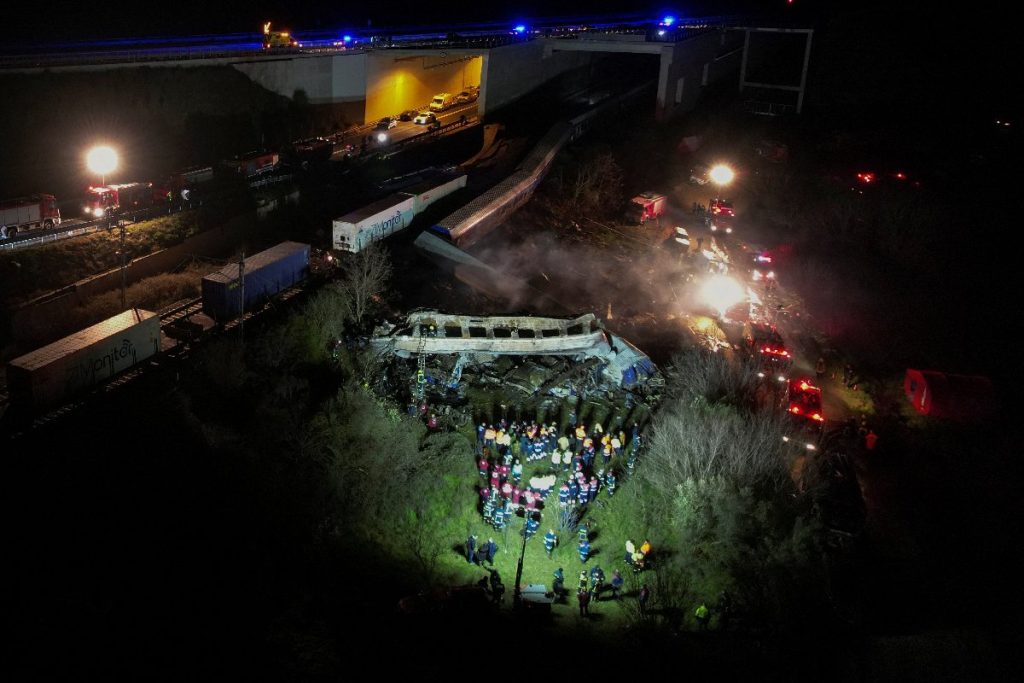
[175,313]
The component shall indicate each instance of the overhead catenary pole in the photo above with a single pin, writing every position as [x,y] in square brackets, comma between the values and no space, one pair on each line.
[124,269]
[241,296]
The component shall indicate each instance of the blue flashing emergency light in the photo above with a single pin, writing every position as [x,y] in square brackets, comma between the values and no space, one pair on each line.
[520,29]
[347,39]
[668,20]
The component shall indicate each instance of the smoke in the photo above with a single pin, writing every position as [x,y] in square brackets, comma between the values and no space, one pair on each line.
[644,285]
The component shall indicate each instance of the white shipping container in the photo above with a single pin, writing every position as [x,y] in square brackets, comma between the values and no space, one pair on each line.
[56,372]
[355,230]
[429,191]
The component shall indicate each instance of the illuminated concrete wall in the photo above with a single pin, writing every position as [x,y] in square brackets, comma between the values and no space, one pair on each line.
[511,71]
[325,79]
[408,79]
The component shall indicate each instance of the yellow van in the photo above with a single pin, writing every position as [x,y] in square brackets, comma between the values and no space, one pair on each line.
[442,101]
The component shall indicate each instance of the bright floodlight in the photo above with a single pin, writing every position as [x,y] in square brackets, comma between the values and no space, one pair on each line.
[722,174]
[382,137]
[722,293]
[101,160]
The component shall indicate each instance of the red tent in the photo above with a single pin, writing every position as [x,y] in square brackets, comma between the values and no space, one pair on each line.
[941,394]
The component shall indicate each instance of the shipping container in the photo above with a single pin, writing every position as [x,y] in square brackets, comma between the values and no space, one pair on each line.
[355,230]
[266,274]
[57,372]
[429,191]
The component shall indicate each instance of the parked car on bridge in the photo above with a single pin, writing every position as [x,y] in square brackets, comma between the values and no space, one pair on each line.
[387,123]
[408,115]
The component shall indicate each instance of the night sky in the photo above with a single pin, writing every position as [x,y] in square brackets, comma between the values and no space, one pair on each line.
[62,21]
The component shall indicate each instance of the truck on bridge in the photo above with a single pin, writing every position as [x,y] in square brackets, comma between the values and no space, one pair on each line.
[273,39]
[112,199]
[28,213]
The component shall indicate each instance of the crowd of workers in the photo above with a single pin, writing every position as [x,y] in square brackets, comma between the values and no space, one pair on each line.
[570,468]
[584,457]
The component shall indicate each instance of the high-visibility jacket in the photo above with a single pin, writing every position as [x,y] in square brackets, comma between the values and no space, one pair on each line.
[489,434]
[701,612]
[581,433]
[630,548]
[556,457]
[646,547]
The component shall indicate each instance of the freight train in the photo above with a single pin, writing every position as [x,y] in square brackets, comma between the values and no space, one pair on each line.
[62,371]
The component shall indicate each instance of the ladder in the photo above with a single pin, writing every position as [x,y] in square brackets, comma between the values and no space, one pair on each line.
[421,367]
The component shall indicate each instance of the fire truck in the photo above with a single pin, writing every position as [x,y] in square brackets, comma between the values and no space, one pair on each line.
[645,206]
[768,349]
[113,199]
[28,213]
[253,163]
[182,184]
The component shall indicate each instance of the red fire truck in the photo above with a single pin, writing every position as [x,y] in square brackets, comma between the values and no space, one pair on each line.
[253,163]
[112,199]
[645,206]
[28,213]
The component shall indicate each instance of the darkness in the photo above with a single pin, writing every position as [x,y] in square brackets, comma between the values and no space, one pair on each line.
[910,88]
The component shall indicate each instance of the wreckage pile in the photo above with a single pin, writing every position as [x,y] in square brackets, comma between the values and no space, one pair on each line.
[524,363]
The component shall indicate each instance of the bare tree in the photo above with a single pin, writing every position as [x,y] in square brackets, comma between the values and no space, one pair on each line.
[365,278]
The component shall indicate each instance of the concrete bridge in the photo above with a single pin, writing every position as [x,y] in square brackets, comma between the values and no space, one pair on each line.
[364,85]
[392,80]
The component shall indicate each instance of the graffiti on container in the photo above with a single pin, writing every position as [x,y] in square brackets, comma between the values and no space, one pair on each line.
[87,371]
[381,229]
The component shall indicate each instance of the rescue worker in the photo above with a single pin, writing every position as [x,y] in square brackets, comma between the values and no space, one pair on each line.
[645,548]
[584,549]
[583,581]
[499,517]
[703,615]
[617,582]
[484,467]
[470,548]
[517,470]
[642,598]
[563,494]
[870,439]
[638,562]
[584,533]
[550,541]
[566,460]
[558,586]
[584,598]
[610,482]
[596,580]
[492,550]
[498,592]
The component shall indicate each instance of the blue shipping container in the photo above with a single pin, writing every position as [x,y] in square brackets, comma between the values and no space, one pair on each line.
[266,274]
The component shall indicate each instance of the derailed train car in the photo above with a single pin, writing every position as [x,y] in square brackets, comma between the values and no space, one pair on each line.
[356,230]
